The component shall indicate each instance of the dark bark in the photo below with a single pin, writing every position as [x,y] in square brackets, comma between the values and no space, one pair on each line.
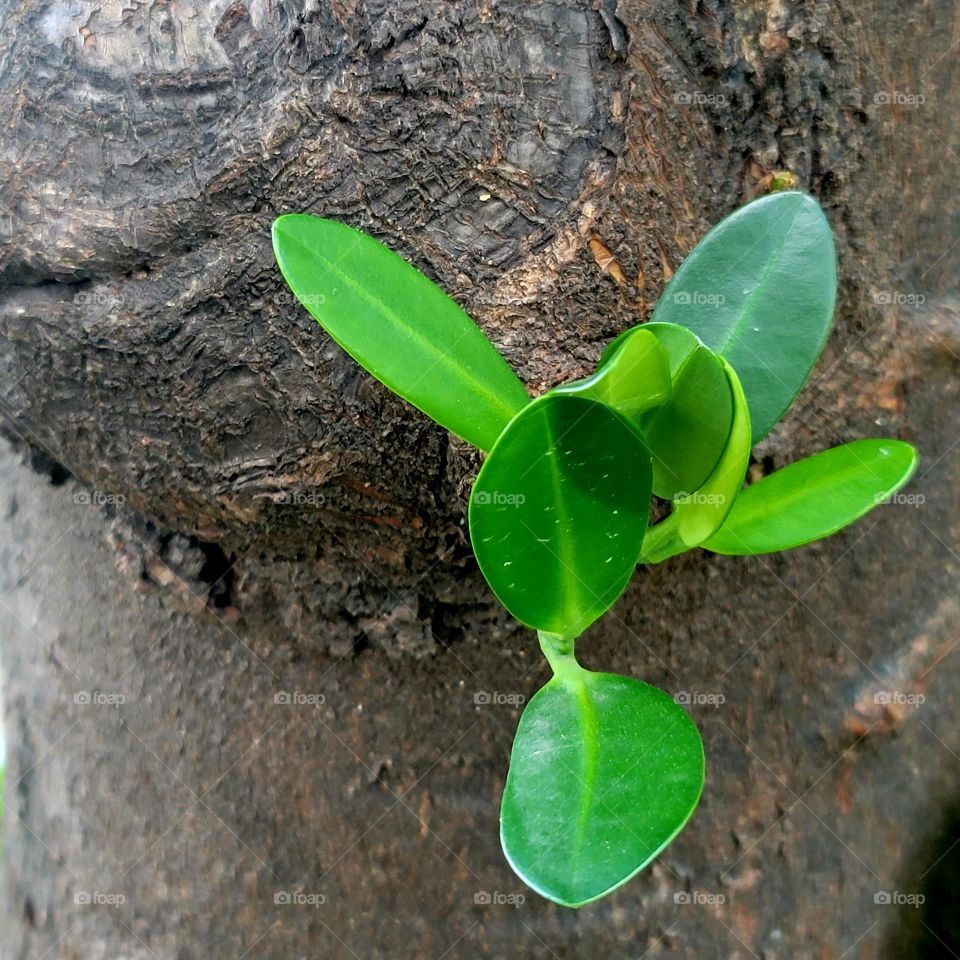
[287,525]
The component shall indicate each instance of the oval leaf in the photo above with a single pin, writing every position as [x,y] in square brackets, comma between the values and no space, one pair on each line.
[698,516]
[814,498]
[688,433]
[399,326]
[559,510]
[604,773]
[759,289]
[633,380]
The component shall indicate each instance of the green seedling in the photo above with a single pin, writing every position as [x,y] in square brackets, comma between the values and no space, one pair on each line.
[606,770]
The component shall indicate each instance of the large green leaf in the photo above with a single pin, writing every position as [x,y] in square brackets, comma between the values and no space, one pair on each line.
[699,515]
[760,290]
[399,326]
[814,498]
[604,773]
[688,433]
[633,380]
[559,510]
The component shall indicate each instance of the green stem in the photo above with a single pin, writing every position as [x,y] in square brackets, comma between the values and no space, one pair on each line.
[560,654]
[662,541]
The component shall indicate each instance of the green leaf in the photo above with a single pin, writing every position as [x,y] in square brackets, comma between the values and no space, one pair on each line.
[633,380]
[759,289]
[399,326]
[605,771]
[698,516]
[559,510]
[687,434]
[814,498]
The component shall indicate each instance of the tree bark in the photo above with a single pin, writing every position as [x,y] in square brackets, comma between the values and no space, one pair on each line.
[242,631]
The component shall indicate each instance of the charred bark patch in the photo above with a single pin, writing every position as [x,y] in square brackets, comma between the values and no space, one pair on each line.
[149,337]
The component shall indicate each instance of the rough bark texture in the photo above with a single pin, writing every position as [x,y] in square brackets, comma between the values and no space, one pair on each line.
[279,524]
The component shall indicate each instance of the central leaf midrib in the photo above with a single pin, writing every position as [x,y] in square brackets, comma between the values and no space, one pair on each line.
[430,347]
[572,613]
[736,329]
[588,738]
[799,493]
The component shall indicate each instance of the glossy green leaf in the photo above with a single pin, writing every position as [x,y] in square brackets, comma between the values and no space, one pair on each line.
[399,326]
[688,433]
[604,773]
[559,510]
[759,289]
[635,379]
[814,498]
[699,515]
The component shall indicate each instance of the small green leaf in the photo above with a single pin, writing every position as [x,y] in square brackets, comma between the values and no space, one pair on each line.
[632,381]
[699,515]
[759,289]
[814,498]
[399,326]
[605,771]
[688,433]
[559,510]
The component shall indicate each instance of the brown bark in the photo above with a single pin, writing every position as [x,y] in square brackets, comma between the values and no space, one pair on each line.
[289,526]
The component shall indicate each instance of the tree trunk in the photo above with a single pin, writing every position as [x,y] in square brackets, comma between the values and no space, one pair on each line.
[243,635]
